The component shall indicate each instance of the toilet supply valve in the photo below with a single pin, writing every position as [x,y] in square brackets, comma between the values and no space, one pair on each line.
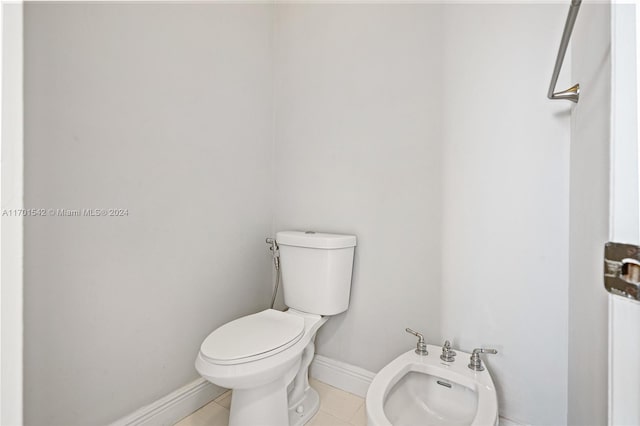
[476,363]
[421,347]
[448,354]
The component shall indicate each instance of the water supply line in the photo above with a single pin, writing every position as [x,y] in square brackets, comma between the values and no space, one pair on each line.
[275,253]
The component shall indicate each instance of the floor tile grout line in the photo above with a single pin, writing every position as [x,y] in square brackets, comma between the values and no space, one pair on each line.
[221,406]
[356,412]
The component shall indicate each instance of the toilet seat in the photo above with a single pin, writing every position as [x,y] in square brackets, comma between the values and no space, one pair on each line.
[252,337]
[259,369]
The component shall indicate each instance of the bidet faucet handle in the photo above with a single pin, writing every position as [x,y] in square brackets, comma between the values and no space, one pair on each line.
[484,351]
[447,347]
[415,333]
[421,347]
[476,363]
[448,354]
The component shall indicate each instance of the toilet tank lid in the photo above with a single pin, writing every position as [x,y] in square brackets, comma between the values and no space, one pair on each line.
[312,239]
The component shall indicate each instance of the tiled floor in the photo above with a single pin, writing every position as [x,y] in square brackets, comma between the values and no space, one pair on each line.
[337,408]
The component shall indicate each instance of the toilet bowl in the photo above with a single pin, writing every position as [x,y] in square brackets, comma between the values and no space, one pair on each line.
[264,357]
[424,390]
[259,356]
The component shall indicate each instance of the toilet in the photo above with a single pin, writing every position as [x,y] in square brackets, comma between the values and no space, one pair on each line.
[424,390]
[264,357]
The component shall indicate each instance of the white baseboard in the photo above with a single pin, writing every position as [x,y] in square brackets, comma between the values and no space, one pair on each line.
[341,375]
[508,422]
[169,409]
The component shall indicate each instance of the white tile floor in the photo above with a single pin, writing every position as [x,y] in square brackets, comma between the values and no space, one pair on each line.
[337,408]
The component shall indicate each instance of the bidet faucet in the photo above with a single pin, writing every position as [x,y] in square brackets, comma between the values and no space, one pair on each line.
[421,347]
[476,363]
[448,354]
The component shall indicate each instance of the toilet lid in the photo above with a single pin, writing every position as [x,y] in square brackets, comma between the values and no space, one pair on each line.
[253,335]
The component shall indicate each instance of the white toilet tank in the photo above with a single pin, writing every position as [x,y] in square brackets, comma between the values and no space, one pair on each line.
[316,270]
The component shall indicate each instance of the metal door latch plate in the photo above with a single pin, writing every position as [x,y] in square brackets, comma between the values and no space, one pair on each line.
[622,270]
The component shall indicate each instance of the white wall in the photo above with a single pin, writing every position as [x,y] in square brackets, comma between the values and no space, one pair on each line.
[505,202]
[11,226]
[165,110]
[358,141]
[590,136]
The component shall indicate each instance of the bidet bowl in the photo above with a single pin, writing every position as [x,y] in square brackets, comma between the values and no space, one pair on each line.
[424,390]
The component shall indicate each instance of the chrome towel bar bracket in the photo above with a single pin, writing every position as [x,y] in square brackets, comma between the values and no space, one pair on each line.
[573,93]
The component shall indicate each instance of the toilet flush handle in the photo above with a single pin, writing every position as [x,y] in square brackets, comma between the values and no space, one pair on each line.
[421,347]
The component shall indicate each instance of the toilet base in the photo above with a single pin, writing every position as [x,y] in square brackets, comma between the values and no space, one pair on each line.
[263,405]
[302,412]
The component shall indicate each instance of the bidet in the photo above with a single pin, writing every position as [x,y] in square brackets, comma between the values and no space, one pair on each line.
[426,390]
